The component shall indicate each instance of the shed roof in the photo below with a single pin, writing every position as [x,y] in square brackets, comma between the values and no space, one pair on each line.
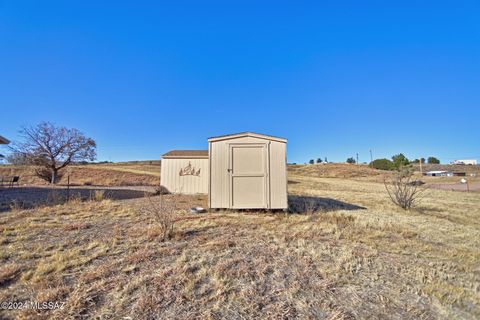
[186,154]
[4,140]
[246,134]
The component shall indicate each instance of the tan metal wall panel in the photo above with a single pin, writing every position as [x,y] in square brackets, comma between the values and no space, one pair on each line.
[188,183]
[278,175]
[218,178]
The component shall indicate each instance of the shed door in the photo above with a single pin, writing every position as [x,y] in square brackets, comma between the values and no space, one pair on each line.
[248,171]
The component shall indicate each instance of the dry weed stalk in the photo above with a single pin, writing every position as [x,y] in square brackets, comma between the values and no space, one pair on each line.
[99,195]
[404,192]
[162,212]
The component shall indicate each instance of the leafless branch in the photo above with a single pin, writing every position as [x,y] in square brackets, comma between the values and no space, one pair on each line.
[404,192]
[53,148]
[162,212]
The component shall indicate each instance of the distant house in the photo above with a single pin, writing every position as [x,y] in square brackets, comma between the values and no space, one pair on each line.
[439,173]
[467,161]
[4,140]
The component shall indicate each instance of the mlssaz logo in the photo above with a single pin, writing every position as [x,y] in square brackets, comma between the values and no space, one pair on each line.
[189,170]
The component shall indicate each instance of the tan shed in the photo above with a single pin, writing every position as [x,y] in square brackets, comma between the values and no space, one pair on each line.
[185,171]
[247,171]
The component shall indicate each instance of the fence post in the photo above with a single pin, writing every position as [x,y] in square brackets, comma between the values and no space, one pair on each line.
[68,187]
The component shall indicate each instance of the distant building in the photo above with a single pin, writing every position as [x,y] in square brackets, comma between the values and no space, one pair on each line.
[468,161]
[460,174]
[4,140]
[439,173]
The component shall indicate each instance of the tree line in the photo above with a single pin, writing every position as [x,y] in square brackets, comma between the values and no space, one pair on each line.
[398,161]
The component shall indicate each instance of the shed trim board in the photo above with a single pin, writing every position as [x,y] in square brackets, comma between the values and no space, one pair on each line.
[186,154]
[246,134]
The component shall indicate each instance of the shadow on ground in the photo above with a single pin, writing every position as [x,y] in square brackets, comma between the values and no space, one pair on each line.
[29,197]
[309,204]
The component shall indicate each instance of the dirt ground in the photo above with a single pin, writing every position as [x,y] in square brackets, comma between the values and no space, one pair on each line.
[26,197]
[472,186]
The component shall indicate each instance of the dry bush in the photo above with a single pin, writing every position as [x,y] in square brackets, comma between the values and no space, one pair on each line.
[404,192]
[159,190]
[46,174]
[55,197]
[8,272]
[99,195]
[162,212]
[17,205]
[74,198]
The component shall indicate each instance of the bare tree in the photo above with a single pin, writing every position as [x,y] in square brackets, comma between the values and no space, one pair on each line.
[403,191]
[53,148]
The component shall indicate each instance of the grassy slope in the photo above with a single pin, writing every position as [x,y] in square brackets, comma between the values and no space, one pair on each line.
[104,258]
[95,174]
[148,173]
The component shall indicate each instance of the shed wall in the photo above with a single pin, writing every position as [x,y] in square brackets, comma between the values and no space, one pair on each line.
[219,193]
[188,184]
[278,175]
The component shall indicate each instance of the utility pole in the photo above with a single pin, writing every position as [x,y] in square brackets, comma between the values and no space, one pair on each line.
[371,156]
[421,167]
[357,158]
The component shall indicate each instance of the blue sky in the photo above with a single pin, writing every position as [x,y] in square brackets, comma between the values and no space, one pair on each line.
[334,77]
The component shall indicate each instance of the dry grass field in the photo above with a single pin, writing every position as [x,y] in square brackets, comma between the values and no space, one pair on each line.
[348,253]
[111,174]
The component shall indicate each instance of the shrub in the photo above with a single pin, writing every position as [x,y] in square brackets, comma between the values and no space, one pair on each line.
[47,174]
[433,160]
[55,197]
[418,161]
[400,161]
[319,160]
[18,159]
[162,213]
[159,190]
[351,160]
[402,191]
[382,164]
[99,195]
[311,161]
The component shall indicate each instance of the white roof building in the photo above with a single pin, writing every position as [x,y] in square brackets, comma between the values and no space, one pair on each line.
[467,161]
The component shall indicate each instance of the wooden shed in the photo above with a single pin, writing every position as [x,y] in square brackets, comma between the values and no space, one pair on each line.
[185,171]
[247,171]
